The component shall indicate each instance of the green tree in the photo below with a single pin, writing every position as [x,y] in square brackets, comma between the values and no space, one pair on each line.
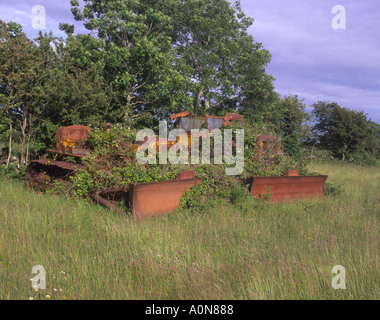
[291,118]
[19,82]
[338,129]
[135,39]
[372,141]
[74,95]
[223,65]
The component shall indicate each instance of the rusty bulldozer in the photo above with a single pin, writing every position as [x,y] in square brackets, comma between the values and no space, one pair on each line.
[156,198]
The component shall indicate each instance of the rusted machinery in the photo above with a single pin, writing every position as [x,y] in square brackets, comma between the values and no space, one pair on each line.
[264,143]
[145,199]
[156,198]
[188,122]
[70,144]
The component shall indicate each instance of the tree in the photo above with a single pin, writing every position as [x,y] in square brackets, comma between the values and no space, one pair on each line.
[73,90]
[19,82]
[223,65]
[338,129]
[372,144]
[290,121]
[138,60]
[164,56]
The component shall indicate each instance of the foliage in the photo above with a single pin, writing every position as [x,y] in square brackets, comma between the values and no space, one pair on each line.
[291,117]
[223,65]
[338,129]
[215,188]
[113,163]
[20,81]
[138,59]
[333,189]
[13,171]
[44,140]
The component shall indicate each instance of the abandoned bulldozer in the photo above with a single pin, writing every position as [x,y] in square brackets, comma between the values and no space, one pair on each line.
[264,143]
[156,198]
[65,160]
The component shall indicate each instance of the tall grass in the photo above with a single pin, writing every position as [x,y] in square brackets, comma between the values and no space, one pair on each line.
[250,250]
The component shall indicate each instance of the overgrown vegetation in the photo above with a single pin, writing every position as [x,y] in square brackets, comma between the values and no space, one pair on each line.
[113,164]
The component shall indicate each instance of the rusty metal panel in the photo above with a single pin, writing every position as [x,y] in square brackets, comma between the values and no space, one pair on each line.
[288,187]
[179,115]
[72,138]
[49,163]
[157,198]
[292,172]
[267,143]
[183,175]
[40,172]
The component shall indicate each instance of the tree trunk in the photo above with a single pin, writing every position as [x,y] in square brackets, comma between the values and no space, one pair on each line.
[30,131]
[207,104]
[128,109]
[200,94]
[9,145]
[27,147]
[23,128]
[344,150]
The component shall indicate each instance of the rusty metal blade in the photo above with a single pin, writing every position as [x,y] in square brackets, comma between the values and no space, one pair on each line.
[157,198]
[288,187]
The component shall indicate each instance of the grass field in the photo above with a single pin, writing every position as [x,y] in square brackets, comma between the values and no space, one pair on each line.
[250,251]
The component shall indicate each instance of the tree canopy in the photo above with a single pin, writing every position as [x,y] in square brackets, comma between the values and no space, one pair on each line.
[340,130]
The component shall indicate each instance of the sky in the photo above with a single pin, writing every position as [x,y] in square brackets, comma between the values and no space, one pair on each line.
[317,53]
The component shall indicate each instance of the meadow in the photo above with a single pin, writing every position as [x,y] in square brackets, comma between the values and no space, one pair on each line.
[252,250]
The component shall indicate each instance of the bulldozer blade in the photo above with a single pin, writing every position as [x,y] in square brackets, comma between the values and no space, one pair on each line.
[286,188]
[157,198]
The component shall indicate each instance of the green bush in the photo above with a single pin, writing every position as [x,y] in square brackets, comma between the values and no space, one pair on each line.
[13,171]
[333,189]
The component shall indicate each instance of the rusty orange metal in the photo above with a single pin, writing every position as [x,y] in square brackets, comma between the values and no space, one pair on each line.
[149,199]
[40,173]
[111,198]
[71,140]
[179,115]
[267,144]
[230,116]
[288,187]
[157,198]
[292,173]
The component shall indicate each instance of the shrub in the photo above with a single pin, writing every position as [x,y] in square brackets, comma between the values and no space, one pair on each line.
[333,189]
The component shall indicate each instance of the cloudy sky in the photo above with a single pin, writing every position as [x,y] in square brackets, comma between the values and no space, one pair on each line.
[310,57]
